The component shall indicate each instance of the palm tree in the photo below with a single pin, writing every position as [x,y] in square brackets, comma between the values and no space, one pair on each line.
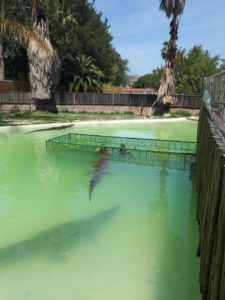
[42,69]
[42,59]
[87,76]
[2,69]
[38,48]
[164,50]
[173,9]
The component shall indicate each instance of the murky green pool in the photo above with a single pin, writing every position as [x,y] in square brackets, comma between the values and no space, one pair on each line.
[136,240]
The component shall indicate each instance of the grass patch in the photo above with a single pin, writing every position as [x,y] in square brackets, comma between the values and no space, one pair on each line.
[128,112]
[36,117]
[180,113]
[8,118]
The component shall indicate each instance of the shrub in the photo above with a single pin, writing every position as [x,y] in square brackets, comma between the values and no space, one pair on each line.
[128,112]
[181,113]
[110,89]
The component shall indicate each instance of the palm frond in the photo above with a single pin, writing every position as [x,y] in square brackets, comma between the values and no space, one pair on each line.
[172,7]
[87,75]
[23,35]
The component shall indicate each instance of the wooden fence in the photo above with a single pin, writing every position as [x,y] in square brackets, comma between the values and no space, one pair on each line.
[182,101]
[12,86]
[211,204]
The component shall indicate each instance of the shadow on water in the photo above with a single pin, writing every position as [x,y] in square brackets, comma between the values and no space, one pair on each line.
[56,242]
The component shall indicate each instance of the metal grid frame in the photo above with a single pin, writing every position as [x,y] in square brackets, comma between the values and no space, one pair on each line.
[112,144]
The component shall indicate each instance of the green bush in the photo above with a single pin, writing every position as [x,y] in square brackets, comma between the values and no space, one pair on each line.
[65,111]
[181,113]
[128,112]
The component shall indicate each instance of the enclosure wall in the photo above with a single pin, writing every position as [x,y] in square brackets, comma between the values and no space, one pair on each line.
[211,205]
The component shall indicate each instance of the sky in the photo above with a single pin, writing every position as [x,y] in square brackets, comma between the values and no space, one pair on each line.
[139,29]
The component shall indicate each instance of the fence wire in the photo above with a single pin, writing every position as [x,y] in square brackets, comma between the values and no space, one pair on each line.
[214,95]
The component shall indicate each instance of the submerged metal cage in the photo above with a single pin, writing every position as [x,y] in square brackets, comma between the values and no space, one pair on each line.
[177,154]
[112,143]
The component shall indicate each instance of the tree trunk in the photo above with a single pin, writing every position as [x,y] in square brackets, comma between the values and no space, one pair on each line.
[40,72]
[40,63]
[2,66]
[167,86]
[173,42]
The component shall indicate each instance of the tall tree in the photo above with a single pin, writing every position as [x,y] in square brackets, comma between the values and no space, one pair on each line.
[75,28]
[2,68]
[192,67]
[173,9]
[40,65]
[81,31]
[149,80]
[40,53]
[195,66]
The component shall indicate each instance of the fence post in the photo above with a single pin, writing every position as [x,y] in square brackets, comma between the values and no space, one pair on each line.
[74,101]
[14,100]
[113,99]
[141,105]
[182,100]
[93,98]
[30,103]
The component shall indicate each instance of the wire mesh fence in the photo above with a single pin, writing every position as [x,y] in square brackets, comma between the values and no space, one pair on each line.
[112,143]
[214,95]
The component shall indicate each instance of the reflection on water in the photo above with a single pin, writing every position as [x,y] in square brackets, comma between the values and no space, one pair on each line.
[135,241]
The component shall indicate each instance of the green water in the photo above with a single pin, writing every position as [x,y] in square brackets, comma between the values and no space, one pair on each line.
[136,240]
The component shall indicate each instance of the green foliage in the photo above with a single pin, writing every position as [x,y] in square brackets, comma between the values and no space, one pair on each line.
[35,117]
[87,76]
[172,8]
[191,69]
[128,112]
[110,89]
[151,80]
[15,57]
[16,61]
[76,29]
[180,113]
[164,50]
[83,32]
[196,65]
